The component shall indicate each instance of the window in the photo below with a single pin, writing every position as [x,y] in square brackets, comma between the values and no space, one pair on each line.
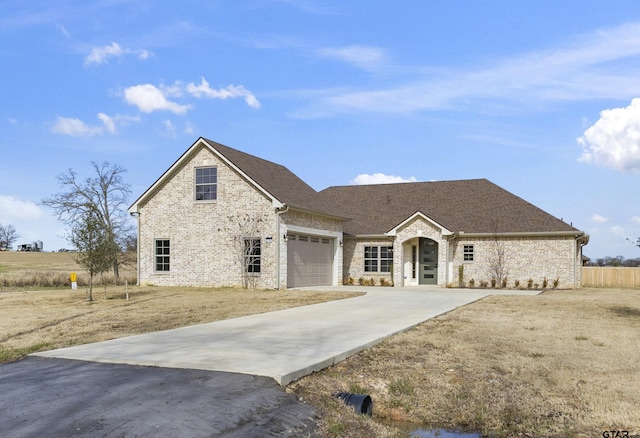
[162,255]
[252,256]
[386,258]
[370,259]
[467,253]
[206,183]
[378,258]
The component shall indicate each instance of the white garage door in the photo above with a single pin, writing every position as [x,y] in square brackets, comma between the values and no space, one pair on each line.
[309,261]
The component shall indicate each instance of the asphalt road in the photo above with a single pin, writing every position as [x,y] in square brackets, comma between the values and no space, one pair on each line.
[49,397]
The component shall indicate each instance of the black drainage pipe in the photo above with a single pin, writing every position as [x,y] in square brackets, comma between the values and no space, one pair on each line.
[361,403]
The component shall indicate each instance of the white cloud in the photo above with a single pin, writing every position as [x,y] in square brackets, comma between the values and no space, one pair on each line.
[170,129]
[380,178]
[231,91]
[614,140]
[149,98]
[101,55]
[109,124]
[63,30]
[77,128]
[14,209]
[599,219]
[591,67]
[617,231]
[367,58]
[636,219]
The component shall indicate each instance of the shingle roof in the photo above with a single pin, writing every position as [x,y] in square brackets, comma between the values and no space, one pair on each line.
[276,179]
[471,206]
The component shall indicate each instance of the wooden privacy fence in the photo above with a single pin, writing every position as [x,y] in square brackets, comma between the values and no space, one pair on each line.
[609,276]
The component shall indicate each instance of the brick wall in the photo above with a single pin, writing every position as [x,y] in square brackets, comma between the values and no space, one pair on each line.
[201,234]
[354,260]
[527,258]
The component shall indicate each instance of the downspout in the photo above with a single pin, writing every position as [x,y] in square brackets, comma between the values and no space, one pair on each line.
[279,211]
[136,214]
[575,261]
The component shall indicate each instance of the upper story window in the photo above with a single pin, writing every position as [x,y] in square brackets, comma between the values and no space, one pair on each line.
[467,253]
[378,258]
[162,255]
[206,183]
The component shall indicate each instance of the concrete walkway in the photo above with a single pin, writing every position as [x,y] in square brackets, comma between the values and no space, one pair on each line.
[287,344]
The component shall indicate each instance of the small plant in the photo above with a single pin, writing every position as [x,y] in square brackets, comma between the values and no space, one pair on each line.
[516,284]
[545,283]
[355,388]
[336,429]
[530,283]
[580,338]
[472,283]
[361,281]
[504,283]
[493,283]
[384,282]
[556,282]
[401,387]
[484,284]
[350,281]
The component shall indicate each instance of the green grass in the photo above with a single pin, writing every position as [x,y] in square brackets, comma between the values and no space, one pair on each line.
[12,354]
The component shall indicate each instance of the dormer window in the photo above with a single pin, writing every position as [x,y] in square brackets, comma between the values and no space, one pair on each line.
[206,183]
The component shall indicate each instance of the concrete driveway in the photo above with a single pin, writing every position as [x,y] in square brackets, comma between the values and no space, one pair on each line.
[216,379]
[284,345]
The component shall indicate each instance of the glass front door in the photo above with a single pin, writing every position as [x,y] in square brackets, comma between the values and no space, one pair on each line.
[428,261]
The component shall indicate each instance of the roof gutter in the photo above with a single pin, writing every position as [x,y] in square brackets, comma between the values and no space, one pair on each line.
[575,234]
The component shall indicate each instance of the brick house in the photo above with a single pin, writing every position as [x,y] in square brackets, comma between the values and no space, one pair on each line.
[221,217]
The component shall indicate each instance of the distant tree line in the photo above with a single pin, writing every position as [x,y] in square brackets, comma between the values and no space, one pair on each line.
[617,261]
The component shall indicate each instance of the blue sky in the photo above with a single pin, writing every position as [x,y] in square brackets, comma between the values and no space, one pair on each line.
[536,96]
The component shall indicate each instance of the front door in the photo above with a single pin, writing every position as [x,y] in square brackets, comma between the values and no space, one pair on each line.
[428,261]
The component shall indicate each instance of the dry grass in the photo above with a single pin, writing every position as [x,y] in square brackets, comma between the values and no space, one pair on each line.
[564,363]
[560,364]
[41,320]
[48,269]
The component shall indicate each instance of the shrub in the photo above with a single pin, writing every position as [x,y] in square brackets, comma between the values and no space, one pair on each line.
[350,281]
[361,281]
[493,283]
[472,283]
[556,282]
[504,283]
[516,284]
[530,283]
[484,284]
[545,283]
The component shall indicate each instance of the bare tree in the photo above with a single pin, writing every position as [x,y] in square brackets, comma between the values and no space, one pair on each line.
[498,262]
[247,245]
[8,236]
[94,244]
[103,196]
